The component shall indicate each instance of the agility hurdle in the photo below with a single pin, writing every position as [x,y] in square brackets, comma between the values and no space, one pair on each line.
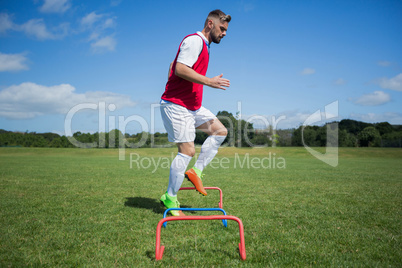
[208,188]
[159,249]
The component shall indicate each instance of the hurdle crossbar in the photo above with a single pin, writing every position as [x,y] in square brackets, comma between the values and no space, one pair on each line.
[207,188]
[196,209]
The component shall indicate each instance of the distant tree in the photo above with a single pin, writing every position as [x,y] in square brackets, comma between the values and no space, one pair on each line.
[115,137]
[229,121]
[65,142]
[321,136]
[245,133]
[393,139]
[275,140]
[285,136]
[347,139]
[27,140]
[369,137]
[103,139]
[4,138]
[384,128]
[39,141]
[296,137]
[353,126]
[142,139]
[49,136]
[56,143]
[397,127]
[308,135]
[312,135]
[240,132]
[261,138]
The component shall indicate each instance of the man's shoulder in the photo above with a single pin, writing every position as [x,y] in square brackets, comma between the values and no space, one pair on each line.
[194,36]
[192,39]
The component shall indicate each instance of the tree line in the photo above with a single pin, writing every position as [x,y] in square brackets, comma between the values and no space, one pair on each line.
[349,133]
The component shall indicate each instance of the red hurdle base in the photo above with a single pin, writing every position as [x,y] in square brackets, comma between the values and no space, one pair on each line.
[207,188]
[159,249]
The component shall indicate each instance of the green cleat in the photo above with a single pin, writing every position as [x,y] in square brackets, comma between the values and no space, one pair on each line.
[171,202]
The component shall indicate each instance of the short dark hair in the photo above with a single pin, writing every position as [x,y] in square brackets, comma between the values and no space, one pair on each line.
[218,14]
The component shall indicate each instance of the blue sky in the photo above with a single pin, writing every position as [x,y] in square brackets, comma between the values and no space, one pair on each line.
[285,61]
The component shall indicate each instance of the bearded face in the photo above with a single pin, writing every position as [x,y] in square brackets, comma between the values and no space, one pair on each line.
[218,31]
[215,36]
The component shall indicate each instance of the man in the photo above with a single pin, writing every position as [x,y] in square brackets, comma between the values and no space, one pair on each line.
[182,111]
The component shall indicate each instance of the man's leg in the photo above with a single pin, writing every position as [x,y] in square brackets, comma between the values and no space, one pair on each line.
[217,134]
[176,176]
[187,149]
[179,124]
[179,165]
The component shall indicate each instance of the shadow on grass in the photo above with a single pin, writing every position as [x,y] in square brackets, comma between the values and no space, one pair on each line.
[147,203]
[151,255]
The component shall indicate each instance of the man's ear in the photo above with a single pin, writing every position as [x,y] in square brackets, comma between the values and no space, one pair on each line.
[210,24]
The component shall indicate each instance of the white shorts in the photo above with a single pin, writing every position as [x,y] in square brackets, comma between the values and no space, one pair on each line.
[180,123]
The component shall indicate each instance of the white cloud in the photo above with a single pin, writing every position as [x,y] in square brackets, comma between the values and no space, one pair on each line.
[55,6]
[373,99]
[109,23]
[115,3]
[13,62]
[96,22]
[394,83]
[94,36]
[307,71]
[384,63]
[340,82]
[100,27]
[5,23]
[90,19]
[29,100]
[101,35]
[107,43]
[37,28]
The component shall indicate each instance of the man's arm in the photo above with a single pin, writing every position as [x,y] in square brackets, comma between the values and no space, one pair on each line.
[189,74]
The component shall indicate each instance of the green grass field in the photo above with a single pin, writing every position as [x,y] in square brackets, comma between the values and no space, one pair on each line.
[79,207]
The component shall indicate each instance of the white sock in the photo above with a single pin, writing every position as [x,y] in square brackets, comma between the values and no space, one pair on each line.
[176,176]
[208,151]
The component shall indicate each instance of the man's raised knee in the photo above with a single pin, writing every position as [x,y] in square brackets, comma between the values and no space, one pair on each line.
[222,132]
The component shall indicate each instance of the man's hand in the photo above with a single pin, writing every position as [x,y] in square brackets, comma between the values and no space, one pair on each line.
[189,74]
[219,82]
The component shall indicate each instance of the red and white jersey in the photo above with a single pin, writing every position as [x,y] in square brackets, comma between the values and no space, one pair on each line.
[193,52]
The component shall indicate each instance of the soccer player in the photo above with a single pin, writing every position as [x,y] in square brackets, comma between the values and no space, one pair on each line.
[182,111]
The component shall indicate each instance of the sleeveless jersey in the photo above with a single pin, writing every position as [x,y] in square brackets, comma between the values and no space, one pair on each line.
[183,92]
